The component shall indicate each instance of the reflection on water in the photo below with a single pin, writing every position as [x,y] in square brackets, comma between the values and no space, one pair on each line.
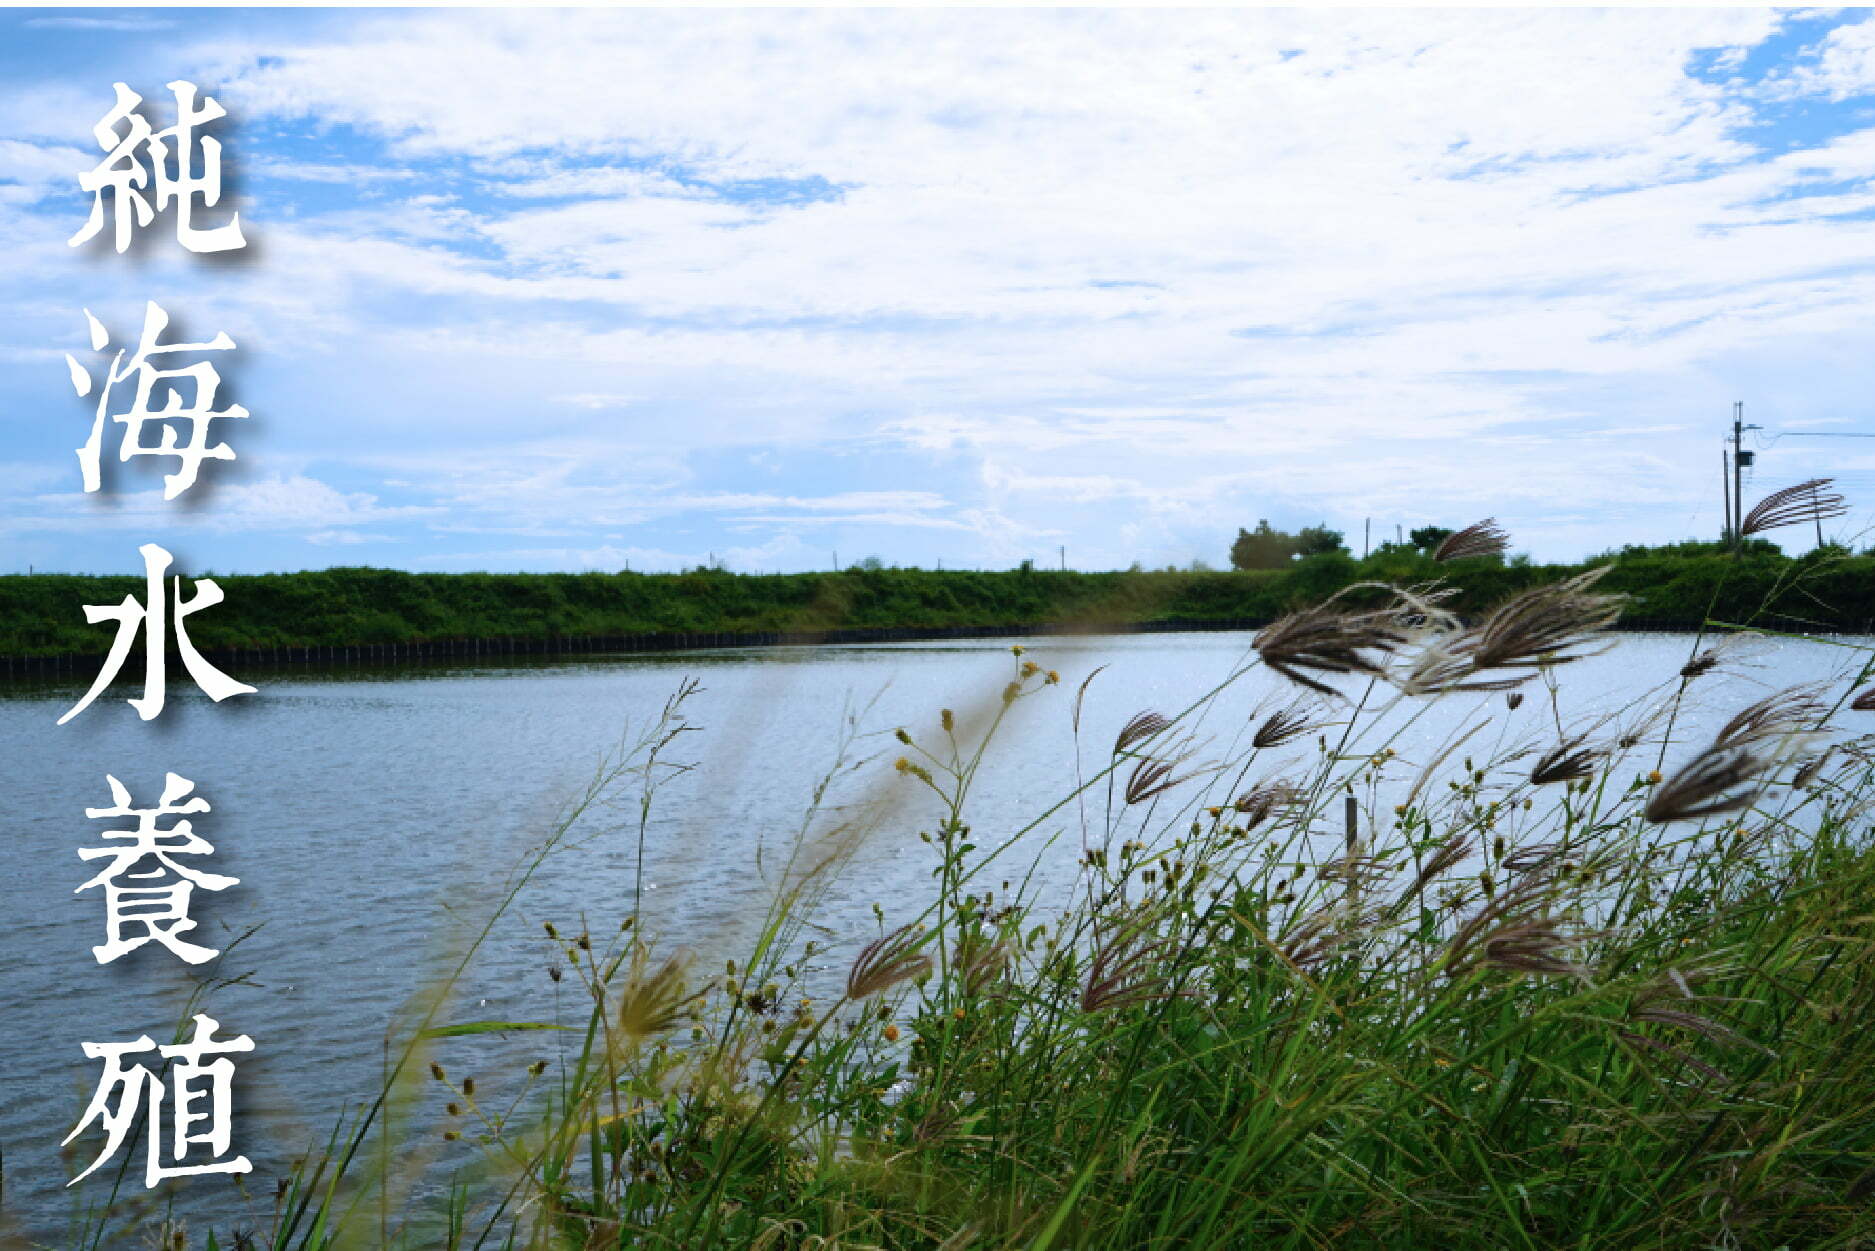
[372,816]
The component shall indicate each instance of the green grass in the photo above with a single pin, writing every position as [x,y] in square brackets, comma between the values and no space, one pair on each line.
[43,614]
[1597,1030]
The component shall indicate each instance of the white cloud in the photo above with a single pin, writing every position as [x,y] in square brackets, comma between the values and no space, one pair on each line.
[1092,260]
[1845,64]
[280,504]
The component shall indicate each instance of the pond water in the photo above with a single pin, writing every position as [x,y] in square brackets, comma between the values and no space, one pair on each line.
[370,816]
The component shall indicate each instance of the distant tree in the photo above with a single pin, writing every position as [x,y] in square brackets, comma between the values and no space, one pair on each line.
[1428,538]
[1262,548]
[1199,565]
[871,564]
[1318,541]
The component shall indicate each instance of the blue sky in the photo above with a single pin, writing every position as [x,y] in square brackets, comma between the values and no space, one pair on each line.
[588,289]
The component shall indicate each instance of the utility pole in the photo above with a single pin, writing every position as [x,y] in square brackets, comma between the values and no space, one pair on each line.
[1740,458]
[1725,491]
[1064,558]
[1367,534]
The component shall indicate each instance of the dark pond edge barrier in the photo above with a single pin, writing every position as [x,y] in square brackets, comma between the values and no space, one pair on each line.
[238,659]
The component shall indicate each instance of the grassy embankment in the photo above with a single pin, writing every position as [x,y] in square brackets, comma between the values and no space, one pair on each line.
[43,615]
[1565,982]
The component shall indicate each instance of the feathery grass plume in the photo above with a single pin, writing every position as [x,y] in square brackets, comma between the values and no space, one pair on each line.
[1864,701]
[1259,803]
[885,962]
[1527,900]
[1775,716]
[979,962]
[1807,773]
[1325,639]
[1535,629]
[1794,505]
[1693,1022]
[1704,662]
[1127,969]
[1674,986]
[1513,700]
[1319,934]
[1486,538]
[1284,724]
[1357,871]
[1535,945]
[1568,761]
[1449,853]
[653,1002]
[1530,858]
[1717,780]
[1150,777]
[1142,727]
[1540,626]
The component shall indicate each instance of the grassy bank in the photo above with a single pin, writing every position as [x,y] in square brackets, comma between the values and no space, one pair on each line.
[1551,982]
[43,614]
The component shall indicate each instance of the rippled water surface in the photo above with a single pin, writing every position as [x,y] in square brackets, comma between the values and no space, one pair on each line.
[366,812]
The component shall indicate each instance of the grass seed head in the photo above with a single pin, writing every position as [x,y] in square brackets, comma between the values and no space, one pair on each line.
[1127,969]
[1284,724]
[1150,777]
[1802,504]
[653,1001]
[1324,639]
[1141,727]
[885,962]
[1718,780]
[1258,804]
[1533,630]
[1486,538]
[1568,761]
[1775,716]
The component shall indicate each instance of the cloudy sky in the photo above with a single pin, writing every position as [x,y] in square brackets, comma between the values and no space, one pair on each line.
[582,290]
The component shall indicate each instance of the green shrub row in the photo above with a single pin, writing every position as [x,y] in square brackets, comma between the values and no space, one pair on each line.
[1679,586]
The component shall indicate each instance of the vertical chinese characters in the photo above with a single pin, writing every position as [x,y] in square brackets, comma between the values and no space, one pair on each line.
[161,912]
[139,160]
[202,380]
[166,405]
